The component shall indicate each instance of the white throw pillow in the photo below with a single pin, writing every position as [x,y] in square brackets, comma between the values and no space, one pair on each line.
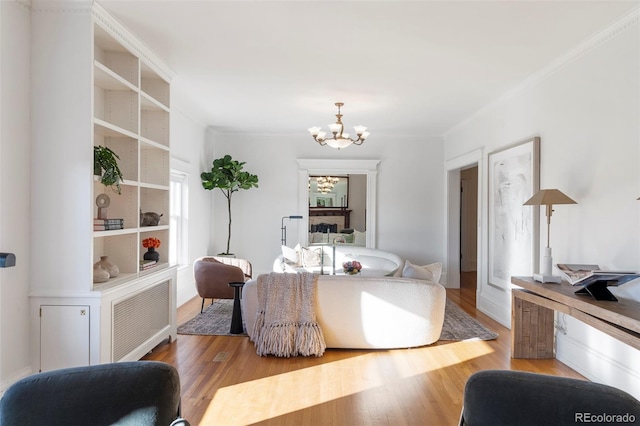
[291,255]
[310,257]
[359,238]
[429,272]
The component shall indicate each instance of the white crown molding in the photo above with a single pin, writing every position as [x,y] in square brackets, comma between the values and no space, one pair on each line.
[105,20]
[591,43]
[26,4]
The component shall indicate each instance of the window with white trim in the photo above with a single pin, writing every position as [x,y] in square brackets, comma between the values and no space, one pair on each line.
[179,246]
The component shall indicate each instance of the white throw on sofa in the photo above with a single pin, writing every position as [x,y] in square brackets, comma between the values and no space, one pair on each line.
[360,312]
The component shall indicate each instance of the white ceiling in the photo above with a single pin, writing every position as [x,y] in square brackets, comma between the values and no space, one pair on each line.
[401,68]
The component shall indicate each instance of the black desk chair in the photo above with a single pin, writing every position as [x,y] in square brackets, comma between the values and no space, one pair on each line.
[503,397]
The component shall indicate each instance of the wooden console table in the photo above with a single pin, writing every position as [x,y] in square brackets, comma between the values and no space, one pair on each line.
[532,315]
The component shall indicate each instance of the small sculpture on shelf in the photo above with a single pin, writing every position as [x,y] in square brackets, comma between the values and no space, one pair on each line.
[102,266]
[149,218]
[100,275]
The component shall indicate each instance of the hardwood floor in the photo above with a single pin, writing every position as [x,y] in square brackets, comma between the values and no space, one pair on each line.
[224,382]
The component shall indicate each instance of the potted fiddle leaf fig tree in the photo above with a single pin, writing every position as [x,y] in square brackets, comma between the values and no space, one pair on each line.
[227,175]
[105,165]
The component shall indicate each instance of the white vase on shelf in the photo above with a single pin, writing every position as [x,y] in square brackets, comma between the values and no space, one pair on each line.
[107,265]
[100,275]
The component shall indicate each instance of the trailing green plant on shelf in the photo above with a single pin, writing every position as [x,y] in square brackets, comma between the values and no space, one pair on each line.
[105,165]
[227,175]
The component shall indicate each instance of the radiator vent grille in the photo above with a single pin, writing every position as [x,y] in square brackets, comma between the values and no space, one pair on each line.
[137,319]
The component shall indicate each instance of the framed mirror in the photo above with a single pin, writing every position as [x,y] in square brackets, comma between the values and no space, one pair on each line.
[328,191]
[365,174]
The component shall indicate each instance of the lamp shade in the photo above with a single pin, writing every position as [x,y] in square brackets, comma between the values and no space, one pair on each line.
[547,197]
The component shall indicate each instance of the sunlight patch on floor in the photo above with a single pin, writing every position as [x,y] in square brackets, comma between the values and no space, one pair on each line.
[270,397]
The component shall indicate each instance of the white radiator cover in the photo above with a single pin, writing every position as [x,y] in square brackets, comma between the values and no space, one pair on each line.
[126,320]
[139,318]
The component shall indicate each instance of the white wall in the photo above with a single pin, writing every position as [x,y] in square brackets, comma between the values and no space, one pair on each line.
[410,195]
[585,110]
[14,190]
[188,137]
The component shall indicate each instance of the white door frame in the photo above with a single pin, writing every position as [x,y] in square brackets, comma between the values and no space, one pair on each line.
[452,228]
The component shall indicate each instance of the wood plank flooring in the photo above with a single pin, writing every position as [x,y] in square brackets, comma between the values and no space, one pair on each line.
[224,382]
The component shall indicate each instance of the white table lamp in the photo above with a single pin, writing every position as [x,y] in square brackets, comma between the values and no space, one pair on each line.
[548,197]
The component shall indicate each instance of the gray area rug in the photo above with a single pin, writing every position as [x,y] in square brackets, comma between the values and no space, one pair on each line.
[216,321]
[459,325]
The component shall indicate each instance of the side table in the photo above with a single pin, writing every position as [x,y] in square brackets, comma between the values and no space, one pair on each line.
[236,317]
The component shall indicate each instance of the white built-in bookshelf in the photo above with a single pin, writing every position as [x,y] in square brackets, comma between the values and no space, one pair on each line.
[131,117]
[96,84]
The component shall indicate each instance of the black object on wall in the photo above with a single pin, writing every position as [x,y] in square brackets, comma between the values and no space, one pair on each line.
[7,260]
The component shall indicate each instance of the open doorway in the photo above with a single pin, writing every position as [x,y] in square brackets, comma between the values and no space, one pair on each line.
[469,228]
[462,227]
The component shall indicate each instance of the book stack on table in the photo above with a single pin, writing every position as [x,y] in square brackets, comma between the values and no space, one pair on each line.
[107,224]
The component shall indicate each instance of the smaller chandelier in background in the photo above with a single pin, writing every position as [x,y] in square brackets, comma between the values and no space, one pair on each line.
[326,183]
[339,139]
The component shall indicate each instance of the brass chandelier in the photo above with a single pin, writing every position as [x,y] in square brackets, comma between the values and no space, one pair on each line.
[339,139]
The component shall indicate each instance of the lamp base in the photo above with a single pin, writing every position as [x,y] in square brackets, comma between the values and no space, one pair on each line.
[547,278]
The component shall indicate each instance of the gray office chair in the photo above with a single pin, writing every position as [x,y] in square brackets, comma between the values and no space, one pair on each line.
[141,393]
[503,397]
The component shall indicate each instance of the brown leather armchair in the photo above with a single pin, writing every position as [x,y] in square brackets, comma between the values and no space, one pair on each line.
[213,274]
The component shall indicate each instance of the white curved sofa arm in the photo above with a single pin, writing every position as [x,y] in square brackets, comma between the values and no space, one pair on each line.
[369,312]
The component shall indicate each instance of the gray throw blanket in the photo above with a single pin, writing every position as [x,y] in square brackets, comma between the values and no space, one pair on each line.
[286,324]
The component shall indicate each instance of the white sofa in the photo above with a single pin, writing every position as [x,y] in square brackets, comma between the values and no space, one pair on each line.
[374,262]
[360,312]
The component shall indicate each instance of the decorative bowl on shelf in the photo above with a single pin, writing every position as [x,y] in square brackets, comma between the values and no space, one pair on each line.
[351,267]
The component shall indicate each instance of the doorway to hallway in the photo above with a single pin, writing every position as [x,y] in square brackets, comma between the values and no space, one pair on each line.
[469,227]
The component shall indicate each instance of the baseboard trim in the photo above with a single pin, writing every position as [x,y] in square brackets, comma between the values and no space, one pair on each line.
[496,312]
[579,356]
[186,289]
[20,374]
